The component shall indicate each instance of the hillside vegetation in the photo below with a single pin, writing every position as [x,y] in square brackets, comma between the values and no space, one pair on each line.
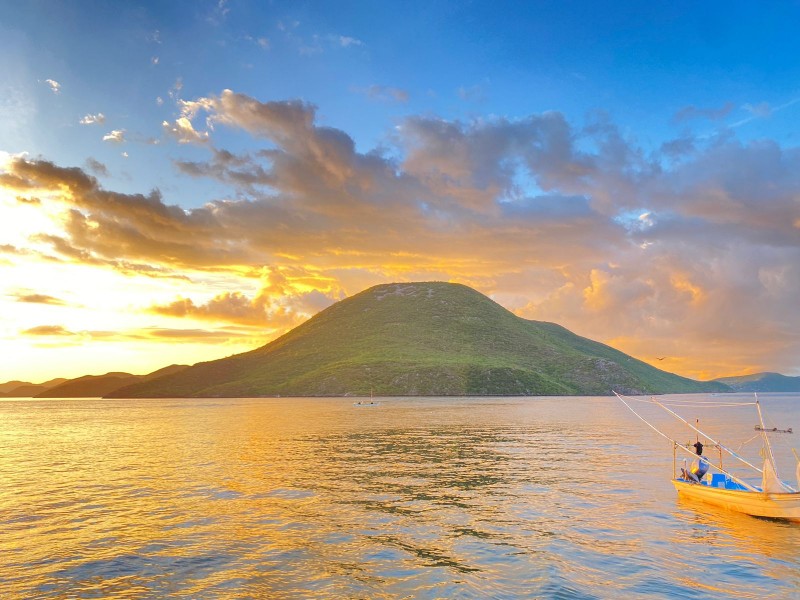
[420,339]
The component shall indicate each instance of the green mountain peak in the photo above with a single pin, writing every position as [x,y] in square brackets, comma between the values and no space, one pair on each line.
[425,338]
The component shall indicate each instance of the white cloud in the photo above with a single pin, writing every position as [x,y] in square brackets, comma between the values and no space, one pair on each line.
[55,87]
[176,88]
[116,136]
[347,41]
[261,41]
[90,119]
[183,131]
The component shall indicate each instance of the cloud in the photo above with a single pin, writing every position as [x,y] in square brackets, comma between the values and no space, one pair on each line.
[690,249]
[386,93]
[116,136]
[39,299]
[47,330]
[692,112]
[175,91]
[72,338]
[54,86]
[11,249]
[261,42]
[188,334]
[184,133]
[347,41]
[475,93]
[761,110]
[96,167]
[279,305]
[90,119]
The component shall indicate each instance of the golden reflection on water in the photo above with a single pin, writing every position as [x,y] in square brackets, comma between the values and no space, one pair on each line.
[304,498]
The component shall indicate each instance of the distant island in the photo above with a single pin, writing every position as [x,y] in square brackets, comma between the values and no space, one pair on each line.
[762,382]
[410,339]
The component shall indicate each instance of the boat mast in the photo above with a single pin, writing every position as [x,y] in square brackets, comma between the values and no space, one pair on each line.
[765,437]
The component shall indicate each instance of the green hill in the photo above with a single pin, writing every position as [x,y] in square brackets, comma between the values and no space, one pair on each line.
[762,382]
[420,339]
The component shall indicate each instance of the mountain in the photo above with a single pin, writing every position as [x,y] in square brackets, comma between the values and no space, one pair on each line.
[88,386]
[762,382]
[10,385]
[96,386]
[24,389]
[420,339]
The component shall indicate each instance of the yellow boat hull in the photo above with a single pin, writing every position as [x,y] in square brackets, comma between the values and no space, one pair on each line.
[757,504]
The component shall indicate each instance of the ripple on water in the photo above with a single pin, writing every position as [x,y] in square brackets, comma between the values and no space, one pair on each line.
[308,498]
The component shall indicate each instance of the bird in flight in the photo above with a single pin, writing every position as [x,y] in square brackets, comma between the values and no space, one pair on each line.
[660,357]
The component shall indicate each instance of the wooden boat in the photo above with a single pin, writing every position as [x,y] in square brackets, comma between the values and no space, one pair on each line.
[774,499]
[722,491]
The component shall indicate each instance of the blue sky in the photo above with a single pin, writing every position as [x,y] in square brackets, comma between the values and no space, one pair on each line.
[586,133]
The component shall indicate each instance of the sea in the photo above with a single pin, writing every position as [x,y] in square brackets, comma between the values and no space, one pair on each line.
[556,497]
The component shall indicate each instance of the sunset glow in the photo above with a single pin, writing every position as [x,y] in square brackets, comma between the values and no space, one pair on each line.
[182,187]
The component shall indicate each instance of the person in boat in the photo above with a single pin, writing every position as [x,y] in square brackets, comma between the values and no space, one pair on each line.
[699,465]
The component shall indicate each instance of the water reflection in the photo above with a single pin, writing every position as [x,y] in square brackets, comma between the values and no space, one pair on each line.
[467,498]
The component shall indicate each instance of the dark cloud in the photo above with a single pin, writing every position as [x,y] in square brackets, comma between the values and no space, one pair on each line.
[96,167]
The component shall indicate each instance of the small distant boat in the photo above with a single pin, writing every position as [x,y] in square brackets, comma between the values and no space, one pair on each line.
[365,403]
[774,499]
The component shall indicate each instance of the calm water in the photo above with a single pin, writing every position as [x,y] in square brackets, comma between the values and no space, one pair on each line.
[414,498]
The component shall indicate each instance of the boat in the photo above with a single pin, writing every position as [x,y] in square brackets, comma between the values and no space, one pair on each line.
[371,401]
[773,499]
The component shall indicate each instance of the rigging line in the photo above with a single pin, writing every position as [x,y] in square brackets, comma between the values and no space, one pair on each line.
[766,438]
[711,403]
[743,444]
[768,446]
[677,445]
[720,444]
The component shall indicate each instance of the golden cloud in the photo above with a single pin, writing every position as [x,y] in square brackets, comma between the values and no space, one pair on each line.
[717,257]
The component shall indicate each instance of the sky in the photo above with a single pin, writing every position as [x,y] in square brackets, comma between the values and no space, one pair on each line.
[184,181]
